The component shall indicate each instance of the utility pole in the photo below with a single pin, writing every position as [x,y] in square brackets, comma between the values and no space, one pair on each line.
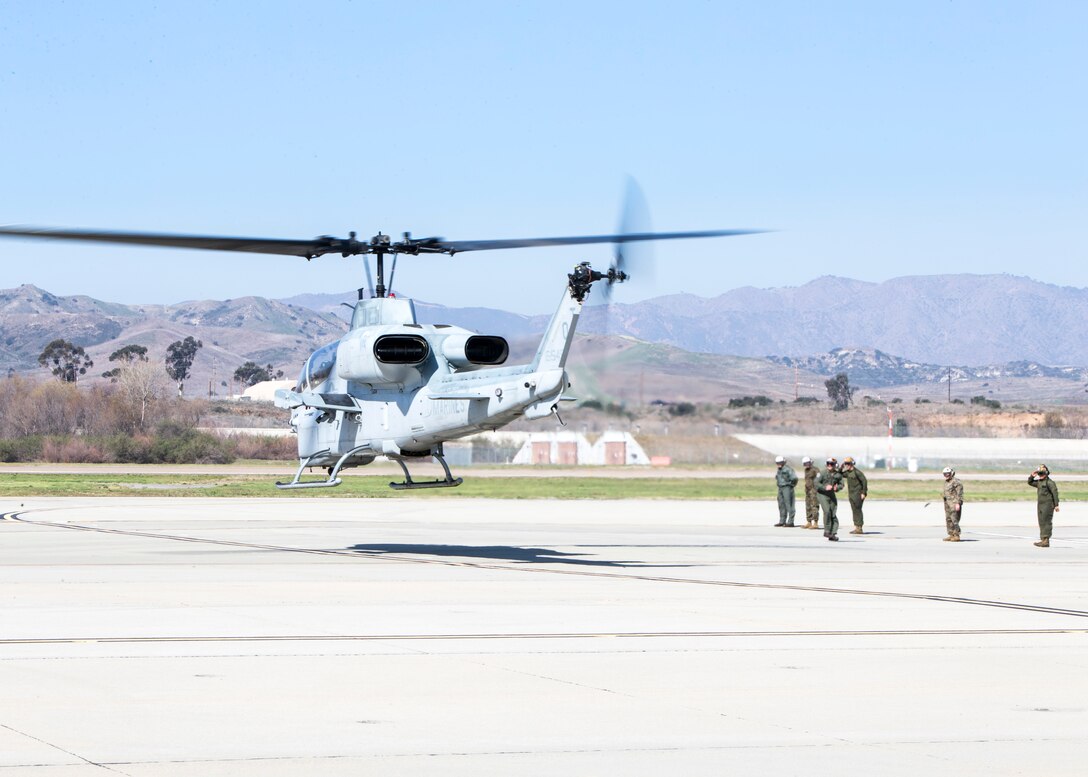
[950,385]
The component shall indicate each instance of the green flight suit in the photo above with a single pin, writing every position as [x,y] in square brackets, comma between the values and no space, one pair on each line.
[858,487]
[1048,500]
[812,506]
[953,505]
[829,481]
[786,479]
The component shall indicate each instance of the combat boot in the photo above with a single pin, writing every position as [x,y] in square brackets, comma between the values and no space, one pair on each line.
[948,538]
[1043,543]
[856,530]
[954,538]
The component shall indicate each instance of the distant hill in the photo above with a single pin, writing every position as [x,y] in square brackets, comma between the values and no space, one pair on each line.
[934,319]
[869,367]
[233,331]
[945,319]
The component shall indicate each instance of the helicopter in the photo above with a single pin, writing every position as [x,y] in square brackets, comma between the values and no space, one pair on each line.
[396,388]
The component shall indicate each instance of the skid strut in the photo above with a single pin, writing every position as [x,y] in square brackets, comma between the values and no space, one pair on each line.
[307,462]
[409,484]
[334,471]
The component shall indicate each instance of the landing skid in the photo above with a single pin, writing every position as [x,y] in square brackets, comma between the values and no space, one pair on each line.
[410,484]
[333,480]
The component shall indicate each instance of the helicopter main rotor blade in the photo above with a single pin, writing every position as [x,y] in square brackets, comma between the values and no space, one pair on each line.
[254,245]
[349,246]
[456,246]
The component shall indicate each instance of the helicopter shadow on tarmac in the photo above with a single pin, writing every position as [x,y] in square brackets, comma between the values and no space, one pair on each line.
[501,553]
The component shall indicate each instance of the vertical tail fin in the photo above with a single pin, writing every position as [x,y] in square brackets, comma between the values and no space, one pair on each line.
[554,348]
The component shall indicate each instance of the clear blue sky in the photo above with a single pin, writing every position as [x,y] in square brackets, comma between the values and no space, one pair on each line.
[882,139]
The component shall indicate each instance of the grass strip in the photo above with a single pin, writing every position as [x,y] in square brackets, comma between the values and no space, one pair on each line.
[482,487]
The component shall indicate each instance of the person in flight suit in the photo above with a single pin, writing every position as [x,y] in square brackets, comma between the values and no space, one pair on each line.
[828,482]
[812,506]
[1048,503]
[953,504]
[786,479]
[858,487]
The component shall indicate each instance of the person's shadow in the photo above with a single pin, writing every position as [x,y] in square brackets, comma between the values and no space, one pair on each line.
[498,553]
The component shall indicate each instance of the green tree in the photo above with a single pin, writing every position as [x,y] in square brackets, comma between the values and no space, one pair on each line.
[839,391]
[251,373]
[126,355]
[179,360]
[68,361]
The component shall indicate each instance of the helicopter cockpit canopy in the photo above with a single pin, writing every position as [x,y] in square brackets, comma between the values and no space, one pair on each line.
[318,367]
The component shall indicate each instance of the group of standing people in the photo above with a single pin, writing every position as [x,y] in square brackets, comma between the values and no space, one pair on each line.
[821,489]
[822,485]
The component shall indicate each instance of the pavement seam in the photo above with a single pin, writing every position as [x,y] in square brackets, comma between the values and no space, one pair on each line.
[59,748]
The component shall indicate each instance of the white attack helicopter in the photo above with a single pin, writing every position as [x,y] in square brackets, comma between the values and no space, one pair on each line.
[396,388]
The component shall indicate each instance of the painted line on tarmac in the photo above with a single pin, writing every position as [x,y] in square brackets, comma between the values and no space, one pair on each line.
[530,635]
[17,516]
[1027,538]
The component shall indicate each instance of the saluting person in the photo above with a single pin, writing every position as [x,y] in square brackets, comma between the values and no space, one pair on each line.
[858,487]
[1047,505]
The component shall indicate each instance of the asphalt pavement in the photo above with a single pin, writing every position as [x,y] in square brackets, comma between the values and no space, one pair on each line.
[151,636]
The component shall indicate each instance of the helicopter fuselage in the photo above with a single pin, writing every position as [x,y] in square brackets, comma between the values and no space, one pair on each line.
[394,387]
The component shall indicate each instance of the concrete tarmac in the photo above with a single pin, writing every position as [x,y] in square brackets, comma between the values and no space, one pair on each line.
[148,637]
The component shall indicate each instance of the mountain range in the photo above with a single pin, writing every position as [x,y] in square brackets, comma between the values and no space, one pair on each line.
[931,319]
[1017,329]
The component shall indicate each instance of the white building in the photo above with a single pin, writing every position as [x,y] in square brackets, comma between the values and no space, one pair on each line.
[616,449]
[566,448]
[265,391]
[572,448]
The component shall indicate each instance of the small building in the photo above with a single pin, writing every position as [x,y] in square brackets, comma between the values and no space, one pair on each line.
[265,391]
[616,449]
[562,448]
[571,449]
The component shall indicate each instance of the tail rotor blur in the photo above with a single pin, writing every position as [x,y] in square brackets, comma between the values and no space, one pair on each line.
[630,259]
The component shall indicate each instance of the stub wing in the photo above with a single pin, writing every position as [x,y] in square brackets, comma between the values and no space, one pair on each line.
[289,400]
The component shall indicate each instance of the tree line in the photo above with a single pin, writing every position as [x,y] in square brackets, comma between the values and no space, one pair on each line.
[67,362]
[136,419]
